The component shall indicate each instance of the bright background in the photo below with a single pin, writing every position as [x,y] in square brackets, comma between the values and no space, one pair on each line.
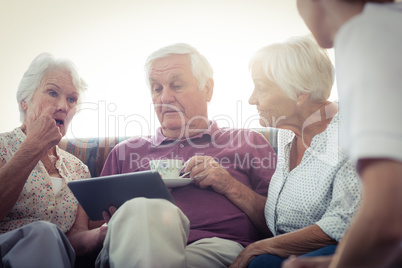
[110,40]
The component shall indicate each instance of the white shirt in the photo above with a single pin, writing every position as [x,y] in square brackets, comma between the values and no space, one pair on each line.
[57,184]
[324,189]
[368,57]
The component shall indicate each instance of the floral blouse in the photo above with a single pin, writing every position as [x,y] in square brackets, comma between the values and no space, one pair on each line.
[37,200]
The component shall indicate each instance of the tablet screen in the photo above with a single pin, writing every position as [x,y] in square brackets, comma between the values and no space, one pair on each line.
[98,194]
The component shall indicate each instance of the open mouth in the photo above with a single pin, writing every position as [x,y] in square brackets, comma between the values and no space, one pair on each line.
[59,122]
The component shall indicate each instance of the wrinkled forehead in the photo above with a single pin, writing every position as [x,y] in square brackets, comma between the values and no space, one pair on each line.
[60,79]
[256,70]
[170,67]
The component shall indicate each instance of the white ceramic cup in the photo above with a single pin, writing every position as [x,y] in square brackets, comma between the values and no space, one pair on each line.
[167,168]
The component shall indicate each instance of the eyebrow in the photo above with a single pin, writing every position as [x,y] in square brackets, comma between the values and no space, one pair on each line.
[176,77]
[53,84]
[172,78]
[75,94]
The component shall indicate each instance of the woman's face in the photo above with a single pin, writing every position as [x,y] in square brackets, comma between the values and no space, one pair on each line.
[274,106]
[57,90]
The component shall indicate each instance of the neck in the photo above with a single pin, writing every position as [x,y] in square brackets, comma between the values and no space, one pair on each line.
[52,151]
[186,132]
[314,120]
[24,128]
[339,12]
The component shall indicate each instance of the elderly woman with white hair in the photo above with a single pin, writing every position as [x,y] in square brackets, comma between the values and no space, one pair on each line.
[315,190]
[38,212]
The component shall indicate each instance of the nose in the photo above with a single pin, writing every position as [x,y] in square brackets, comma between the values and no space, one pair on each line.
[62,105]
[253,98]
[167,96]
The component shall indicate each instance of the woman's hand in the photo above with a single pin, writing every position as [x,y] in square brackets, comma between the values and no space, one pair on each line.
[251,251]
[43,128]
[81,238]
[85,241]
[89,240]
[244,258]
[107,215]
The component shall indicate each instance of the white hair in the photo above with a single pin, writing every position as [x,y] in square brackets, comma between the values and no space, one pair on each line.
[33,76]
[297,66]
[200,67]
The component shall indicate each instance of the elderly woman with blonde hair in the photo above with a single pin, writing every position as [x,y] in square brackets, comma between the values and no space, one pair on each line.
[315,190]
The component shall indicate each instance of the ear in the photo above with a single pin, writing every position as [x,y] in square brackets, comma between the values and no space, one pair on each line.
[209,88]
[24,105]
[302,98]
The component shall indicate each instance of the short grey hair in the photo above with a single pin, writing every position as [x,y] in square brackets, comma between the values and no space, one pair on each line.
[33,76]
[298,65]
[200,67]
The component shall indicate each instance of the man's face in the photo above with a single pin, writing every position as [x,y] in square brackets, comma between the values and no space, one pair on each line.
[177,101]
[316,19]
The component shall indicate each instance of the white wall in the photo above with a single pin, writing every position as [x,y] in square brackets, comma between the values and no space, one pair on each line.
[109,41]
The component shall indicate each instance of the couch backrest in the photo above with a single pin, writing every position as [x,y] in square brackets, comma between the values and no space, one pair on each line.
[94,151]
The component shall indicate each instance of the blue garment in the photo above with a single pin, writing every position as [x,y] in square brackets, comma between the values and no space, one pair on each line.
[274,261]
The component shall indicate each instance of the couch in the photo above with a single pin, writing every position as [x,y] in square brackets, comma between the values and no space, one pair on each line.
[94,151]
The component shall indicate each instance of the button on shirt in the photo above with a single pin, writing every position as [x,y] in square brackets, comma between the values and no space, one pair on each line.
[324,189]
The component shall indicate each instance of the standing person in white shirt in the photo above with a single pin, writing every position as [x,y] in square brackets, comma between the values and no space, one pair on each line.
[367,38]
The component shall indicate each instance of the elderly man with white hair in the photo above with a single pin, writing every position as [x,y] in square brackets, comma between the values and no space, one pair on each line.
[218,214]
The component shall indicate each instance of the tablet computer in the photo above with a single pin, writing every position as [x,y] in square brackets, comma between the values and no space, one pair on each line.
[98,194]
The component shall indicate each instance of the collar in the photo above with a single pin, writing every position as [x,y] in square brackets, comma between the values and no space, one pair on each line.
[159,138]
[334,121]
[18,138]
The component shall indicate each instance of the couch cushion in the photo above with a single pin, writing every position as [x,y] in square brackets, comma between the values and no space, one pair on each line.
[92,151]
